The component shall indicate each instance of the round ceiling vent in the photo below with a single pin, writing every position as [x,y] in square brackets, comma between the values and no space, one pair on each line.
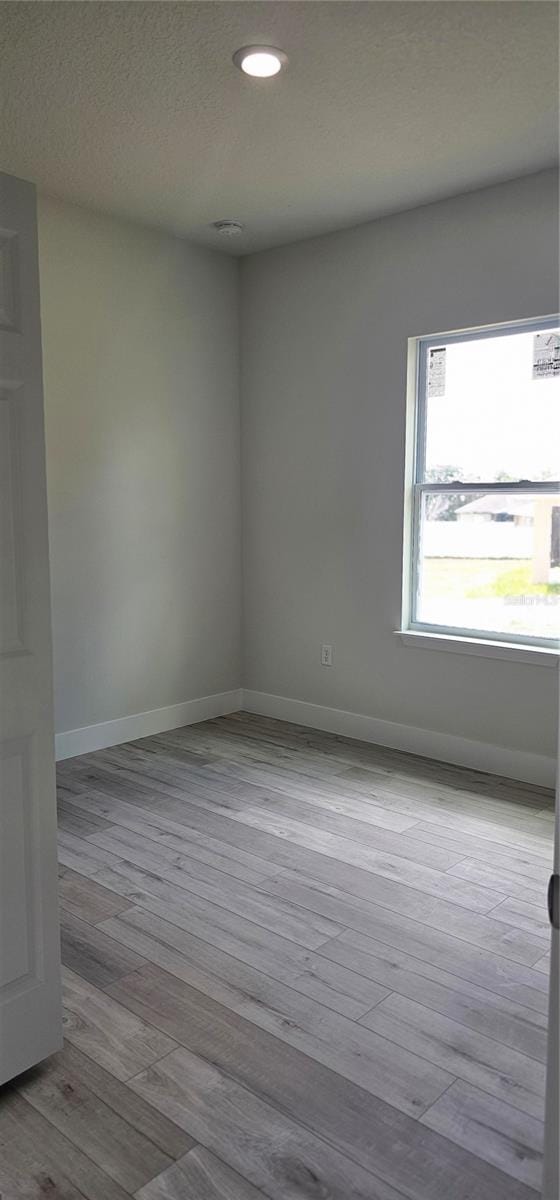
[229,228]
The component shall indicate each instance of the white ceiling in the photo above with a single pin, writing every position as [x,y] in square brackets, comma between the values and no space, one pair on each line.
[137,109]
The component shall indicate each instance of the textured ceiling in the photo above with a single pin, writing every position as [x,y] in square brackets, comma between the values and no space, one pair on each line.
[137,108]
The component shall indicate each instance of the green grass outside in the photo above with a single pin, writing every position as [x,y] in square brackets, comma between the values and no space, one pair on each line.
[473,578]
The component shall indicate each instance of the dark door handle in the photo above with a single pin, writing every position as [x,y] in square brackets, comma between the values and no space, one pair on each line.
[553,901]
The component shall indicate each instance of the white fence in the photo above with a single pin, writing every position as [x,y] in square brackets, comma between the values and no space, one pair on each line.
[484,539]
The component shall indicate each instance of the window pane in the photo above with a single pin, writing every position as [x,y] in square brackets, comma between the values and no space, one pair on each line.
[490,562]
[493,409]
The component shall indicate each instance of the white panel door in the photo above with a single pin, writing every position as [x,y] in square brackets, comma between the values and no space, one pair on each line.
[30,1011]
[551,1181]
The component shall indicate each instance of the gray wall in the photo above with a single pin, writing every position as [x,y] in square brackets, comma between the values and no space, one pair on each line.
[324,344]
[140,338]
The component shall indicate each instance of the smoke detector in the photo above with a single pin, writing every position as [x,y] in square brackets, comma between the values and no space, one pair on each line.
[228,228]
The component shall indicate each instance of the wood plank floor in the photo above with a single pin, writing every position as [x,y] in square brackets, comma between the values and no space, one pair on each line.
[296,967]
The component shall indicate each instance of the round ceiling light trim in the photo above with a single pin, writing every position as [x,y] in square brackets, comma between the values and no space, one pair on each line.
[260,61]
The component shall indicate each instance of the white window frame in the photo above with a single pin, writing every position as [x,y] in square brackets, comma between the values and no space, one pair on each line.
[413,630]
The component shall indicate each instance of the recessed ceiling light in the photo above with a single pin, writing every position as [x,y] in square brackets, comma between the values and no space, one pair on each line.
[261,61]
[228,228]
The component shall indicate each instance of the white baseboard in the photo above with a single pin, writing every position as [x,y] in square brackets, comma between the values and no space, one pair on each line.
[127,729]
[497,760]
[446,747]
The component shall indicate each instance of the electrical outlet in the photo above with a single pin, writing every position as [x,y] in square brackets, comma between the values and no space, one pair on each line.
[326,656]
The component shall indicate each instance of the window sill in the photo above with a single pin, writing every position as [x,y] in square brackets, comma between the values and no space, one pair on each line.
[541,656]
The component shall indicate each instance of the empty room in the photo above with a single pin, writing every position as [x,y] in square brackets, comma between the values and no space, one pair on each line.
[279,600]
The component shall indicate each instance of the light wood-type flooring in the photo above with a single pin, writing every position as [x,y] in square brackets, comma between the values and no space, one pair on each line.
[295,966]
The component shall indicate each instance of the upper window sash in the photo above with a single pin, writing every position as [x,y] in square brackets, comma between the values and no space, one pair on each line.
[424,345]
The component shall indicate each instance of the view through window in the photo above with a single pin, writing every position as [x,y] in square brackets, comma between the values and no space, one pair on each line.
[486,489]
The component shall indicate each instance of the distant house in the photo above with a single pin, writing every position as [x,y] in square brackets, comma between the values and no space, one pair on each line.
[494,507]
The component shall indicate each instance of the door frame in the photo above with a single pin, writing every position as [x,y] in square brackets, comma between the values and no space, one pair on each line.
[551,1165]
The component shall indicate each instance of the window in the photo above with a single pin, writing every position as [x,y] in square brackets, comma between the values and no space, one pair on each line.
[485,498]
